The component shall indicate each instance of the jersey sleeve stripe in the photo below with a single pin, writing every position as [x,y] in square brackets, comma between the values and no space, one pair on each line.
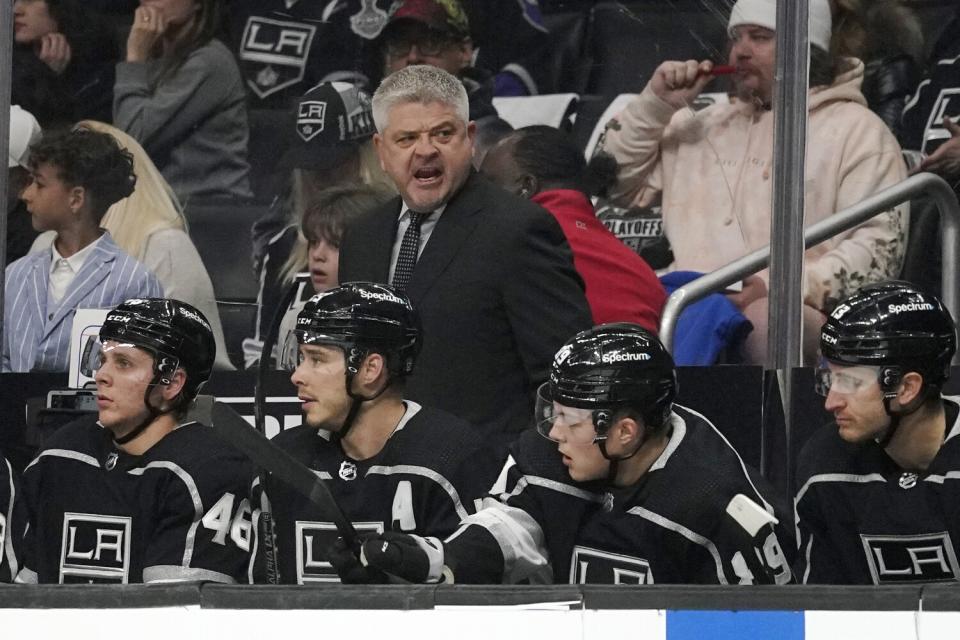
[160,574]
[10,529]
[66,453]
[553,485]
[194,493]
[426,472]
[743,467]
[695,538]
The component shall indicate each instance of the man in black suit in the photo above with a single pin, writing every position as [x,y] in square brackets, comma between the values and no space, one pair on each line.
[491,274]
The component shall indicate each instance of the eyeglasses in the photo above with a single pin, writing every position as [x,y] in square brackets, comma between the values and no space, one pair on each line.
[430,43]
[846,380]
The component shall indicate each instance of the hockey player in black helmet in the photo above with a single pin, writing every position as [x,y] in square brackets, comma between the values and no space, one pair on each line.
[139,493]
[392,464]
[627,487]
[877,490]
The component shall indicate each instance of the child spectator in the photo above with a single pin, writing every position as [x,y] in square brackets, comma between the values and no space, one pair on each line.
[63,61]
[76,176]
[149,225]
[179,93]
[317,247]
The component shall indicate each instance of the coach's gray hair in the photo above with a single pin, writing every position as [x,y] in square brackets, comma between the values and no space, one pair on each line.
[422,84]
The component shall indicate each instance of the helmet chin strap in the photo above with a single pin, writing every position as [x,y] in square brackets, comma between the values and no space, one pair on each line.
[357,399]
[897,415]
[152,412]
[615,462]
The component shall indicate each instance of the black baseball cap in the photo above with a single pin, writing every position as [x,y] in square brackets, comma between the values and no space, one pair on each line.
[332,120]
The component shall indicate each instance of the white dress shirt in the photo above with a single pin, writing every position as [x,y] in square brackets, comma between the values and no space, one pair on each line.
[64,270]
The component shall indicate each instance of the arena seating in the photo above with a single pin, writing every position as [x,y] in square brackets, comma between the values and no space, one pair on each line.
[221,232]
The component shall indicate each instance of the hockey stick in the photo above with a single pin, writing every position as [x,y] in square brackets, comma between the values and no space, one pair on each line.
[281,464]
[267,524]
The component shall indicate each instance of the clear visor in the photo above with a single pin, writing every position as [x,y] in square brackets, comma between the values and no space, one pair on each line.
[290,353]
[92,356]
[289,356]
[556,421]
[842,379]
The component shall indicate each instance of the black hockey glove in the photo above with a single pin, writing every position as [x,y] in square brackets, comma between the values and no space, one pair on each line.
[344,559]
[408,557]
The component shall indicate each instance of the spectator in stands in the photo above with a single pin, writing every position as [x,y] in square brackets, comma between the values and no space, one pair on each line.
[63,61]
[711,170]
[76,176]
[877,500]
[179,93]
[316,247]
[886,35]
[314,42]
[149,225]
[333,146]
[487,137]
[491,274]
[929,120]
[545,165]
[438,34]
[24,131]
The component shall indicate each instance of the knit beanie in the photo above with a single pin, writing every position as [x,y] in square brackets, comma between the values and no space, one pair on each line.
[763,13]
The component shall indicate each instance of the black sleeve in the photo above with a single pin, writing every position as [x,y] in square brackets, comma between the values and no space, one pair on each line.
[12,523]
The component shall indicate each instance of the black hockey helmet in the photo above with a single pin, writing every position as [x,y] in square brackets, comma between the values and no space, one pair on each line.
[895,326]
[609,368]
[360,318]
[176,333]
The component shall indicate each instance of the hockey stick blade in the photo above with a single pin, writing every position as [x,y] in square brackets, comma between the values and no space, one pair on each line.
[281,464]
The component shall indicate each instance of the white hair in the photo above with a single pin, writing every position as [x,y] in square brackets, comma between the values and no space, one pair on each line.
[421,84]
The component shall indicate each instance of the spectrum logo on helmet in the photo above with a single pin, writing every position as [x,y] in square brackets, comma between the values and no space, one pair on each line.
[374,295]
[912,306]
[624,357]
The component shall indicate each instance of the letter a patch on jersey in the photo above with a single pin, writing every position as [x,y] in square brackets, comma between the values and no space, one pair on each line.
[273,53]
[592,566]
[911,558]
[95,548]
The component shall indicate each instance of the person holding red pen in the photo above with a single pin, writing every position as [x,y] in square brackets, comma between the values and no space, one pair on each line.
[711,171]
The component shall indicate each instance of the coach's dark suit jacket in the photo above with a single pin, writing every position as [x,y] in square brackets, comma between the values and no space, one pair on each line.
[497,294]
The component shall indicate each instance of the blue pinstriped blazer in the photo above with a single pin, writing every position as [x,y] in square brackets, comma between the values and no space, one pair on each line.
[37,338]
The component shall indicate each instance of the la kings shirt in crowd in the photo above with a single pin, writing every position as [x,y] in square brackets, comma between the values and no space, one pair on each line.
[670,527]
[640,229]
[424,481]
[863,520]
[11,523]
[285,47]
[177,513]
[936,97]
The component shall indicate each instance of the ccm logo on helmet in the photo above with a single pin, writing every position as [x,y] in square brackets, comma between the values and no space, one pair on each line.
[913,306]
[386,297]
[829,339]
[623,357]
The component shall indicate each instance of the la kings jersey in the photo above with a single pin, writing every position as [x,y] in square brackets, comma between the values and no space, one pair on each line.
[670,527]
[177,513]
[285,47]
[423,481]
[11,523]
[936,97]
[861,519]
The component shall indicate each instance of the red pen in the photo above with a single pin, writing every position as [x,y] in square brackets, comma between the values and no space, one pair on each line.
[723,70]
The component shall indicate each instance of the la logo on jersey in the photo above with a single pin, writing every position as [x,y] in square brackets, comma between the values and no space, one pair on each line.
[592,566]
[947,105]
[95,548]
[313,541]
[273,53]
[911,558]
